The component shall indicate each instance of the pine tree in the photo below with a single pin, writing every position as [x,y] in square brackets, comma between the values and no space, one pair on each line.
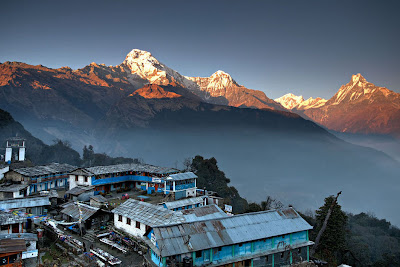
[333,240]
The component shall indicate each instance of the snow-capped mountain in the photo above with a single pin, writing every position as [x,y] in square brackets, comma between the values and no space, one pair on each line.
[219,88]
[291,101]
[360,107]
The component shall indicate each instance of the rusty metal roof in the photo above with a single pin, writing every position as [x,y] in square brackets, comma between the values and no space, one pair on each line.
[12,245]
[72,210]
[183,202]
[199,235]
[147,213]
[7,218]
[52,168]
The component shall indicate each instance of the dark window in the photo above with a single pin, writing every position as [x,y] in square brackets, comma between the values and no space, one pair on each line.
[4,227]
[120,218]
[76,178]
[282,255]
[299,250]
[219,249]
[138,225]
[266,258]
[128,221]
[12,258]
[241,244]
[85,179]
[198,254]
[3,260]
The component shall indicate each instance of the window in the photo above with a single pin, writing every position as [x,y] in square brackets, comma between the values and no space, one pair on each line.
[138,225]
[282,255]
[299,250]
[198,254]
[76,178]
[120,218]
[128,221]
[241,244]
[86,179]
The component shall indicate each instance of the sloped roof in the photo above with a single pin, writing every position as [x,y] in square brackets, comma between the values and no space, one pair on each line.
[12,187]
[79,189]
[45,169]
[147,213]
[26,202]
[72,210]
[203,213]
[182,176]
[99,198]
[183,202]
[12,245]
[200,235]
[97,170]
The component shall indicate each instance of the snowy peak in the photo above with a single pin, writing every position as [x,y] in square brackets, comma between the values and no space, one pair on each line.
[221,79]
[358,89]
[291,101]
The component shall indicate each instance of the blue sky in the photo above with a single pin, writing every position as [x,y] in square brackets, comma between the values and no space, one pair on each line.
[304,47]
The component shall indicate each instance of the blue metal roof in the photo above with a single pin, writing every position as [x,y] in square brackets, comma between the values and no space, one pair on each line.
[187,237]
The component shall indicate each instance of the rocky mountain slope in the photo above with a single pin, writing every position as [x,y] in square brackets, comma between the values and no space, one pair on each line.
[360,107]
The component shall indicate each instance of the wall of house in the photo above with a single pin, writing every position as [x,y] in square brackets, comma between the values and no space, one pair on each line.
[15,177]
[130,229]
[247,249]
[81,180]
[7,229]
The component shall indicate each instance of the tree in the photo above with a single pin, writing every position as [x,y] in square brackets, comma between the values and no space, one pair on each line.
[333,239]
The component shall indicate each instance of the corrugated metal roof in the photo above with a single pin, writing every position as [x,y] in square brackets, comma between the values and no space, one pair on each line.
[79,189]
[182,176]
[147,213]
[27,202]
[200,235]
[9,218]
[45,169]
[97,170]
[12,187]
[203,213]
[183,202]
[12,245]
[24,236]
[99,198]
[72,210]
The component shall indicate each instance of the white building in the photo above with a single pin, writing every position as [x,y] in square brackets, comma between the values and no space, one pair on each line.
[137,217]
[181,185]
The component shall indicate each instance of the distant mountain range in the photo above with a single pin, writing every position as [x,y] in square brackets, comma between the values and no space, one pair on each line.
[61,101]
[358,107]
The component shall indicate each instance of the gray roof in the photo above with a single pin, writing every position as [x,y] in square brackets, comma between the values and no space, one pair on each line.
[24,236]
[26,202]
[147,213]
[183,202]
[99,198]
[97,170]
[182,176]
[9,218]
[45,169]
[200,235]
[79,189]
[72,210]
[203,213]
[12,187]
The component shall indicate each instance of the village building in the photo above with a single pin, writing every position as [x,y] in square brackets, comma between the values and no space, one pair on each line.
[87,215]
[98,201]
[3,170]
[11,252]
[183,204]
[137,217]
[181,185]
[30,243]
[268,238]
[80,193]
[203,213]
[113,177]
[8,191]
[12,223]
[41,178]
[30,205]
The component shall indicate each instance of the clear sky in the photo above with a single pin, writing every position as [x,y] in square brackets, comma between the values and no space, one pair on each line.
[303,47]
